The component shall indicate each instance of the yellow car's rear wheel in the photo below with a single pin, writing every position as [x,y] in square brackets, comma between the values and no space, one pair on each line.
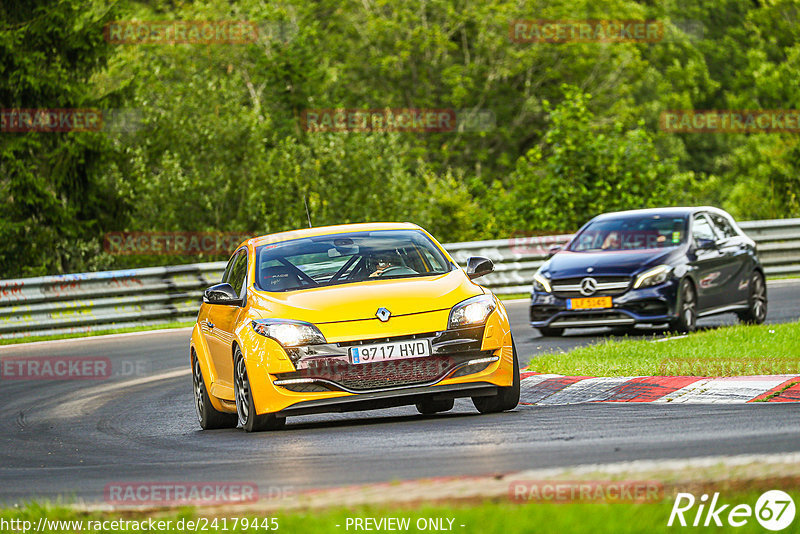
[245,409]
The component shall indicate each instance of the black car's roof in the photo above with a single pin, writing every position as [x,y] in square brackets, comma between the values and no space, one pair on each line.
[669,212]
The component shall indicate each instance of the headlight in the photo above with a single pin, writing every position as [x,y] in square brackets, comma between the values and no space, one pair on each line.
[540,283]
[471,311]
[653,277]
[289,333]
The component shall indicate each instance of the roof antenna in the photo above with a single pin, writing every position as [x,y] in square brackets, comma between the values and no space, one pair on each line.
[308,215]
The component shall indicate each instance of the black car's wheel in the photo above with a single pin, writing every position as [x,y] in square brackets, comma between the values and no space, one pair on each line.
[551,332]
[208,416]
[757,302]
[507,398]
[429,406]
[687,308]
[245,409]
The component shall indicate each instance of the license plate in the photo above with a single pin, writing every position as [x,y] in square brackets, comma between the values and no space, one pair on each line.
[397,350]
[591,303]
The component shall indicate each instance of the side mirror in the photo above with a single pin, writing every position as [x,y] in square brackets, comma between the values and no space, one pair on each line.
[479,266]
[554,250]
[221,294]
[706,244]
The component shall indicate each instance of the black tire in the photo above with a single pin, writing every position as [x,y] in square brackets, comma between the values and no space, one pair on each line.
[507,398]
[686,321]
[551,332]
[757,301]
[245,410]
[208,416]
[430,407]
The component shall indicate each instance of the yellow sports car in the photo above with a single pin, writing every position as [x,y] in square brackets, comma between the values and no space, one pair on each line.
[351,317]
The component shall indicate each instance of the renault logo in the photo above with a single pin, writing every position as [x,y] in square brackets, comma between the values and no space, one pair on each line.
[383,314]
[588,286]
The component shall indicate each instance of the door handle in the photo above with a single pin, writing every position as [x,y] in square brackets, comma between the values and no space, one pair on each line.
[209,324]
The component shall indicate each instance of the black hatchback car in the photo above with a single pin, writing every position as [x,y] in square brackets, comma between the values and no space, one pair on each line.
[650,267]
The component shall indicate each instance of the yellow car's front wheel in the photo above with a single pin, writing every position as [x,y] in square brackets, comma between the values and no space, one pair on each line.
[507,397]
[245,409]
[208,417]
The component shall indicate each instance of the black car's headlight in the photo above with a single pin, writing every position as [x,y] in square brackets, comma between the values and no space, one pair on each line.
[653,277]
[289,333]
[541,284]
[472,311]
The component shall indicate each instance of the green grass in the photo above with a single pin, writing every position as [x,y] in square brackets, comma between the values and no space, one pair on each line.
[73,335]
[728,351]
[514,296]
[486,518]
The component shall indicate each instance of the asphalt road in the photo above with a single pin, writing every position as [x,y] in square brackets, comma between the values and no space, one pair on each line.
[72,438]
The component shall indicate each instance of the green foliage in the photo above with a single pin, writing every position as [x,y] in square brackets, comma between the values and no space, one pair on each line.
[208,137]
[582,168]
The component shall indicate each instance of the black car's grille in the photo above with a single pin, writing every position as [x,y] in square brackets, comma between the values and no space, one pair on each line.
[542,312]
[648,307]
[380,375]
[606,286]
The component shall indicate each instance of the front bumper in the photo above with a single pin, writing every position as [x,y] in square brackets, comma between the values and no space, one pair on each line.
[389,399]
[320,378]
[651,305]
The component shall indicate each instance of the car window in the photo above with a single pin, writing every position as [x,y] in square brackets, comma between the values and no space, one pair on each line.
[701,229]
[723,226]
[238,272]
[630,232]
[227,272]
[346,258]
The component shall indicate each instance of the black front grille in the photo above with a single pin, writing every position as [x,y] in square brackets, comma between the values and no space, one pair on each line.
[380,375]
[600,279]
[576,281]
[542,312]
[648,307]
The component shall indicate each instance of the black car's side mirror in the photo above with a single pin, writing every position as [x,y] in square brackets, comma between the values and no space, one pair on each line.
[479,266]
[221,294]
[706,244]
[555,249]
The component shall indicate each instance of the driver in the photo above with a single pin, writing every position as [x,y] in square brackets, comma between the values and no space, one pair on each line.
[611,241]
[384,261]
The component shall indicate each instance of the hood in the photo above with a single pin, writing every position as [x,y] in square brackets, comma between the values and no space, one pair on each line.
[568,264]
[360,300]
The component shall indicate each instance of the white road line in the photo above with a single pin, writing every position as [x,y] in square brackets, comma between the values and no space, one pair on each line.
[19,346]
[730,390]
[587,390]
[75,407]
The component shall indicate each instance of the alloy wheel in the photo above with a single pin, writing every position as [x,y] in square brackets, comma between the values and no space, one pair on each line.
[199,389]
[242,391]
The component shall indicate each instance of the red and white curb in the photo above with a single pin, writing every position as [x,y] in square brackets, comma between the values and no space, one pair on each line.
[550,389]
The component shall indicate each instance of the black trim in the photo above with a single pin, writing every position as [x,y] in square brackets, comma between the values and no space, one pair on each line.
[388,399]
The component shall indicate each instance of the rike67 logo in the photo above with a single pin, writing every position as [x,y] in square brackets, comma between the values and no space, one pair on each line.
[774,510]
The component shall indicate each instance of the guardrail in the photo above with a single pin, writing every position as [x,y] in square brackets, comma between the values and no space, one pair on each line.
[157,295]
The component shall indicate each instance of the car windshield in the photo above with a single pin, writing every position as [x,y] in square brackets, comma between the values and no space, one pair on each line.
[631,233]
[346,258]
